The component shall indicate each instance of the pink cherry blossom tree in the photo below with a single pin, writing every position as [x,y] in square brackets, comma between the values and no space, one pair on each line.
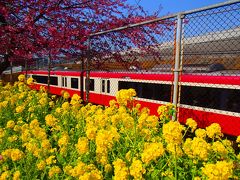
[43,28]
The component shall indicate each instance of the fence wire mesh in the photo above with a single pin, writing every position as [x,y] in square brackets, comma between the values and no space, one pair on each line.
[211,52]
[138,48]
[147,48]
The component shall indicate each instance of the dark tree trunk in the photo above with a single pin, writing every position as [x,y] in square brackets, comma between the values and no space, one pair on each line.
[2,20]
[4,64]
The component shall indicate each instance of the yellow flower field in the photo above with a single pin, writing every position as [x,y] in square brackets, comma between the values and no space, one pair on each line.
[45,137]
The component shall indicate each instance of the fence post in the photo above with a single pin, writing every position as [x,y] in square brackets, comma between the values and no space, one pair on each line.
[176,69]
[26,68]
[81,68]
[11,71]
[88,68]
[49,71]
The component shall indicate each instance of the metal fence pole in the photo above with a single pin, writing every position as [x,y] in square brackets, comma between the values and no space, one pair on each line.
[26,68]
[49,70]
[11,71]
[38,66]
[81,68]
[176,69]
[88,68]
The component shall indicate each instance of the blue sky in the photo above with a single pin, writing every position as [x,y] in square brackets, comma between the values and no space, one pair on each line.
[173,6]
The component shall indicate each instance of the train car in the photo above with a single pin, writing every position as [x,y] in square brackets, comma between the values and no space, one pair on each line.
[207,98]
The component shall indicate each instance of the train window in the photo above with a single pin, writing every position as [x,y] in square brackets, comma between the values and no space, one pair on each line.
[200,96]
[40,79]
[74,83]
[108,86]
[147,90]
[54,81]
[135,85]
[62,81]
[215,98]
[233,100]
[103,85]
[91,85]
[65,82]
[161,92]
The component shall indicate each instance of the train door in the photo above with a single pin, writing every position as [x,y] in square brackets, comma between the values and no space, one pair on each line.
[64,82]
[105,90]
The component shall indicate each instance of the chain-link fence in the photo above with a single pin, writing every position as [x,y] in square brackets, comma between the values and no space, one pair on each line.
[140,49]
[198,49]
[210,54]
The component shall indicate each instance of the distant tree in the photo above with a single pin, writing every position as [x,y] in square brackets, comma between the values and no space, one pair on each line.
[61,27]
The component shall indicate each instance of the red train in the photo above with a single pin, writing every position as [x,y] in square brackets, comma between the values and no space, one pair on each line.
[207,98]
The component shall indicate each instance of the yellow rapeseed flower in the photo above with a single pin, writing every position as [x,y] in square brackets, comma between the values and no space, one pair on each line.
[214,130]
[108,168]
[94,174]
[152,151]
[238,141]
[197,148]
[238,156]
[174,149]
[30,81]
[128,156]
[221,170]
[2,132]
[21,77]
[112,103]
[137,169]
[17,128]
[34,124]
[102,157]
[201,133]
[67,170]
[51,160]
[10,124]
[125,96]
[54,170]
[168,173]
[41,165]
[3,104]
[46,144]
[19,109]
[58,110]
[172,132]
[5,175]
[91,132]
[16,154]
[191,123]
[63,141]
[75,100]
[120,170]
[65,94]
[65,106]
[82,145]
[31,109]
[51,120]
[166,111]
[16,175]
[218,147]
[43,101]
[78,170]
[12,138]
